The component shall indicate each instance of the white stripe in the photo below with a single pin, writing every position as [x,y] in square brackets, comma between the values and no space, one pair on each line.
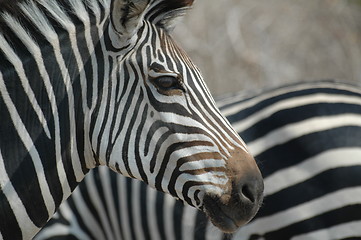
[209,107]
[59,229]
[86,215]
[132,111]
[136,213]
[341,231]
[168,207]
[66,22]
[214,178]
[201,164]
[75,228]
[202,113]
[151,213]
[124,206]
[29,145]
[172,164]
[290,103]
[98,205]
[89,39]
[104,141]
[333,158]
[106,4]
[119,142]
[37,17]
[301,212]
[35,51]
[18,65]
[95,7]
[188,222]
[292,131]
[81,12]
[27,227]
[58,14]
[105,179]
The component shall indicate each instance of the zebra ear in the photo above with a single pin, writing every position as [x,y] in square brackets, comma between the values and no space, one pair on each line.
[127,16]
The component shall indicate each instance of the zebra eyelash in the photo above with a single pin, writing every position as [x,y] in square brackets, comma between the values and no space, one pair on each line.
[167,83]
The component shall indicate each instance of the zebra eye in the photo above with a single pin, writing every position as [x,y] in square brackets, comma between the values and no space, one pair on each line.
[166,83]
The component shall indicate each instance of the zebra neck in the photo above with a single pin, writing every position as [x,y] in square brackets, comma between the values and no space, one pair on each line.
[44,109]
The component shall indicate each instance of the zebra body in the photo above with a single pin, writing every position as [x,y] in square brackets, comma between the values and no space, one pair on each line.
[101,82]
[306,138]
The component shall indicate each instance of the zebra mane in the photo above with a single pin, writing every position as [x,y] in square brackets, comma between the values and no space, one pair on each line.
[43,11]
[9,5]
[163,13]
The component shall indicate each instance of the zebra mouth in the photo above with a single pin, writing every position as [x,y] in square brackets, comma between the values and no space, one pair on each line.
[228,217]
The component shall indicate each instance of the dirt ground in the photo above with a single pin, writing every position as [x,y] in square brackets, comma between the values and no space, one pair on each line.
[247,44]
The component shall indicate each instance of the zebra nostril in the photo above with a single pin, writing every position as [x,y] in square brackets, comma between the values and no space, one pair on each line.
[247,193]
[249,190]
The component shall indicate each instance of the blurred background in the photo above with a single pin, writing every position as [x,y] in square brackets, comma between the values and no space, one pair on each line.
[251,45]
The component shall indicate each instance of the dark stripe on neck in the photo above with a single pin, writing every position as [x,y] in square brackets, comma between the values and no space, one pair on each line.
[9,226]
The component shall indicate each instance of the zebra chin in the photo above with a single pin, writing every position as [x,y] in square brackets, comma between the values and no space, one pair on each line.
[243,198]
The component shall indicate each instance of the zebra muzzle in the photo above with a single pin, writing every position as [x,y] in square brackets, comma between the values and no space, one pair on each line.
[240,204]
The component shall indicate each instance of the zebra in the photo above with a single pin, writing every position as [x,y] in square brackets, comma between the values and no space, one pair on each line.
[306,137]
[87,83]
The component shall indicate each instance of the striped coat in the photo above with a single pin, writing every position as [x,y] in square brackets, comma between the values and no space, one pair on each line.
[85,83]
[307,140]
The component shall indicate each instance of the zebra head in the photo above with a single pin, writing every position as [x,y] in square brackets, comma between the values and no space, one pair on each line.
[162,126]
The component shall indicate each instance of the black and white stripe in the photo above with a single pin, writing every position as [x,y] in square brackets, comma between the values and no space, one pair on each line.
[101,82]
[306,138]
